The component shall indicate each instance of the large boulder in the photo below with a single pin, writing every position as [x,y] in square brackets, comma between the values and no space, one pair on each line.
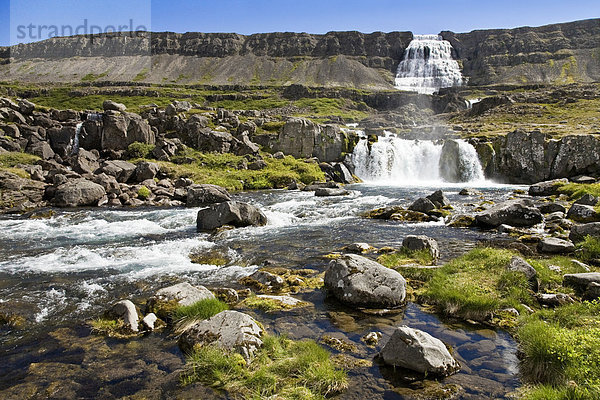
[79,192]
[229,330]
[547,188]
[439,199]
[109,105]
[554,245]
[298,138]
[146,170]
[229,213]
[422,242]
[520,213]
[583,213]
[201,195]
[422,205]
[356,280]
[84,162]
[579,232]
[181,294]
[121,170]
[418,351]
[122,129]
[580,282]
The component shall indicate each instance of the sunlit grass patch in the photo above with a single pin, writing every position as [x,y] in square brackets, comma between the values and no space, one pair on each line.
[282,368]
[185,316]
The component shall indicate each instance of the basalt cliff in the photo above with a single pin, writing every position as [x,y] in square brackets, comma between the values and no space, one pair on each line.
[559,53]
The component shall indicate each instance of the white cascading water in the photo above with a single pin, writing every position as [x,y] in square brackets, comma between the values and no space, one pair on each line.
[427,66]
[396,161]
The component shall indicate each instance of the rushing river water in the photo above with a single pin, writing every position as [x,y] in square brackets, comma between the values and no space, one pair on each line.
[59,272]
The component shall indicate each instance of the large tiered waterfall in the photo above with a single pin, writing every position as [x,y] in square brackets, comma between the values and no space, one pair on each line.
[396,161]
[427,66]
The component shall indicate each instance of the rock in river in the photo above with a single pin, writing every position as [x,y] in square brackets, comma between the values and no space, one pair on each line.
[513,212]
[230,330]
[418,351]
[229,213]
[356,280]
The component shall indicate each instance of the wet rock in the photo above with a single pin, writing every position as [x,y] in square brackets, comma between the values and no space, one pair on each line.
[422,205]
[372,338]
[342,174]
[79,192]
[383,213]
[284,301]
[583,213]
[518,264]
[356,280]
[230,330]
[146,170]
[422,242]
[412,216]
[549,208]
[470,192]
[359,248]
[228,295]
[264,281]
[520,213]
[547,188]
[126,311]
[321,185]
[554,245]
[580,282]
[439,199]
[418,351]
[462,221]
[554,299]
[325,192]
[201,195]
[583,179]
[229,213]
[149,321]
[579,232]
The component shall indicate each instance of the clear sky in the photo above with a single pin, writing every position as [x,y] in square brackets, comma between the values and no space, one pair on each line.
[313,16]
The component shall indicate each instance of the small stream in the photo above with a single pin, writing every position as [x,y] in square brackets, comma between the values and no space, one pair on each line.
[59,272]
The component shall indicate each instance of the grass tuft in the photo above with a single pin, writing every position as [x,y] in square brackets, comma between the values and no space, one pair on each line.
[282,369]
[185,316]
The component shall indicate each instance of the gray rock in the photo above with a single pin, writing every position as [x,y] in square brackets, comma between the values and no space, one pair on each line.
[126,311]
[470,192]
[356,280]
[229,213]
[583,179]
[324,192]
[359,248]
[146,170]
[321,185]
[579,232]
[418,351]
[547,188]
[439,199]
[109,105]
[422,205]
[587,200]
[79,192]
[229,330]
[121,170]
[42,150]
[214,141]
[85,162]
[26,107]
[580,282]
[592,292]
[342,173]
[549,208]
[517,264]
[122,129]
[245,146]
[201,195]
[519,213]
[583,213]
[554,245]
[554,299]
[183,293]
[257,165]
[421,242]
[268,280]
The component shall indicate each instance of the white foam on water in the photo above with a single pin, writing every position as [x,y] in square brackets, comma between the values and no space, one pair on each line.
[52,301]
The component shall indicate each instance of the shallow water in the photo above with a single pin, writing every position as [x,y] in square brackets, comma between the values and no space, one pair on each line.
[61,271]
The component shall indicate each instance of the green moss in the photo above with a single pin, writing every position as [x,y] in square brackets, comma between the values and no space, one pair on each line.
[140,150]
[577,190]
[221,169]
[589,249]
[405,256]
[111,328]
[12,159]
[92,77]
[143,193]
[268,304]
[282,369]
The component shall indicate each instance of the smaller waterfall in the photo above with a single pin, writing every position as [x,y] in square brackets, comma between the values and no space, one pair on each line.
[416,162]
[427,66]
[75,145]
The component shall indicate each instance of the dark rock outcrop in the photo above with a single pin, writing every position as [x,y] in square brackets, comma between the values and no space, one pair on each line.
[229,213]
[519,213]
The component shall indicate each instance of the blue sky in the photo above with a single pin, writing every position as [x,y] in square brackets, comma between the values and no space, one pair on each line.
[314,16]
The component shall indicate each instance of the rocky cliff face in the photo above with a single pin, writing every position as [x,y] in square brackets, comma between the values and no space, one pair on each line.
[559,53]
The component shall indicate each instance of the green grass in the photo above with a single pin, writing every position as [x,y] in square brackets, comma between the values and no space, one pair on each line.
[141,75]
[221,169]
[282,368]
[405,256]
[476,285]
[111,328]
[251,104]
[589,249]
[143,193]
[92,77]
[326,107]
[9,161]
[140,150]
[561,352]
[186,316]
[577,190]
